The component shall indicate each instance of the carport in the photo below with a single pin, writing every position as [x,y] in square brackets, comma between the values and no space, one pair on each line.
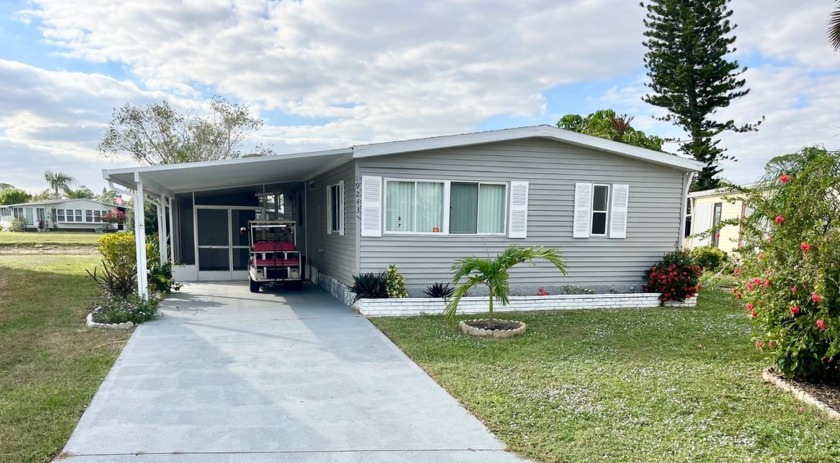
[201,206]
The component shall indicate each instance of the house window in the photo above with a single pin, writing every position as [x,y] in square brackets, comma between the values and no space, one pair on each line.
[88,215]
[600,208]
[477,208]
[412,206]
[60,214]
[335,208]
[97,216]
[78,215]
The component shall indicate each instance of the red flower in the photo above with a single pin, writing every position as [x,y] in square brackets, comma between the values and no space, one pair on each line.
[750,306]
[738,294]
[784,178]
[760,256]
[738,271]
[749,286]
[794,310]
[757,280]
[805,247]
[815,297]
[754,314]
[779,219]
[766,283]
[759,344]
[820,324]
[793,290]
[771,344]
[717,236]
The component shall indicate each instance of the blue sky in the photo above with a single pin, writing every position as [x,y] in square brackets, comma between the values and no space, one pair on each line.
[332,73]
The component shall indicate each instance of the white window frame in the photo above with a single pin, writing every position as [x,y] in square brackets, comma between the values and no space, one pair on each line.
[333,228]
[448,207]
[59,215]
[447,185]
[88,216]
[606,212]
[80,215]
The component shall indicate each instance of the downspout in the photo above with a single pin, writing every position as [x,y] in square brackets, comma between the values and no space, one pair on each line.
[687,178]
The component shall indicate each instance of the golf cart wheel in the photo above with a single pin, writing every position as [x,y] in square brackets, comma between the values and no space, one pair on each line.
[254,286]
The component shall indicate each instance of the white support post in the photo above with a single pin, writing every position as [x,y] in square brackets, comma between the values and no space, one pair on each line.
[161,213]
[687,178]
[170,234]
[140,238]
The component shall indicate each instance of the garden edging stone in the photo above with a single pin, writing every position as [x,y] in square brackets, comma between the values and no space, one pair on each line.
[114,326]
[770,376]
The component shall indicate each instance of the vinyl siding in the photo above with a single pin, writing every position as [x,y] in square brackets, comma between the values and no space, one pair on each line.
[334,255]
[551,168]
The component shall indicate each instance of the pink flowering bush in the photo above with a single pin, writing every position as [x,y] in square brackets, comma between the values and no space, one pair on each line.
[790,263]
[676,277]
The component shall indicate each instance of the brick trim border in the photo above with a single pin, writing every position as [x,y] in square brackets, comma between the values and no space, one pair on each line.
[770,376]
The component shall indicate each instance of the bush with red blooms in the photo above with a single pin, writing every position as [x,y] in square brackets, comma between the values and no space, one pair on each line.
[790,263]
[676,277]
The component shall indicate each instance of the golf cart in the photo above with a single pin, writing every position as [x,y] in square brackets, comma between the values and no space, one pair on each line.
[274,258]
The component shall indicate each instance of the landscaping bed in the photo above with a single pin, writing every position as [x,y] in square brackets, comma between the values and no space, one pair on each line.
[656,384]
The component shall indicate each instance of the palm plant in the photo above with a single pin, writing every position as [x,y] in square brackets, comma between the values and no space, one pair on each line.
[58,181]
[494,273]
[834,28]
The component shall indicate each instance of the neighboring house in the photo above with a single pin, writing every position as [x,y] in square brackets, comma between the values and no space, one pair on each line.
[612,209]
[64,214]
[708,209]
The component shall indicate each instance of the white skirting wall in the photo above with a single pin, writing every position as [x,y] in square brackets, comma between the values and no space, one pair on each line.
[428,306]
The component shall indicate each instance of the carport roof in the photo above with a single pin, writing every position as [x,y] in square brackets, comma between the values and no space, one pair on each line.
[212,175]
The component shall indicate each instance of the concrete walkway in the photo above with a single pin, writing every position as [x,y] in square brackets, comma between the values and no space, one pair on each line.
[230,376]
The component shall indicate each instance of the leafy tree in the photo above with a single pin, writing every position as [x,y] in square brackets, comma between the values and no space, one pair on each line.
[790,257]
[687,43]
[82,192]
[495,273]
[605,123]
[58,181]
[14,196]
[43,195]
[108,196]
[6,186]
[834,28]
[158,134]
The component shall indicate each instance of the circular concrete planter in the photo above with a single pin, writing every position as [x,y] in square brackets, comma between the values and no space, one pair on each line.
[496,334]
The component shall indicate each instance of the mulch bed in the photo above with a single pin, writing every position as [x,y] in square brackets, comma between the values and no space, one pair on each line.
[494,324]
[825,395]
[826,392]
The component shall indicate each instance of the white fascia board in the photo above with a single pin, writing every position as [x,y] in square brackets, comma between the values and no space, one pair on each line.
[541,131]
[107,173]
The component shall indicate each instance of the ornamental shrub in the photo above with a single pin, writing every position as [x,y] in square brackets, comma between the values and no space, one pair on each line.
[709,258]
[788,280]
[675,277]
[395,282]
[118,248]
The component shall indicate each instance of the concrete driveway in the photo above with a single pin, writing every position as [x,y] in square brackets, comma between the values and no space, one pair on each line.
[231,376]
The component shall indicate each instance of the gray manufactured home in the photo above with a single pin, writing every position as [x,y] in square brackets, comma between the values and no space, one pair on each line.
[610,208]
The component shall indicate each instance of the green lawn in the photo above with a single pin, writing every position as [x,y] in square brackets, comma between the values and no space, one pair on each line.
[49,238]
[50,363]
[624,386]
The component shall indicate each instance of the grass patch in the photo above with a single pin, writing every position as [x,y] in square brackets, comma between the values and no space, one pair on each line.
[50,238]
[623,386]
[51,363]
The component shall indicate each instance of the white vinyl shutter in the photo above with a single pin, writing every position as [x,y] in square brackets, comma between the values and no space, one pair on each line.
[518,210]
[341,208]
[329,211]
[371,206]
[701,222]
[583,210]
[618,211]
